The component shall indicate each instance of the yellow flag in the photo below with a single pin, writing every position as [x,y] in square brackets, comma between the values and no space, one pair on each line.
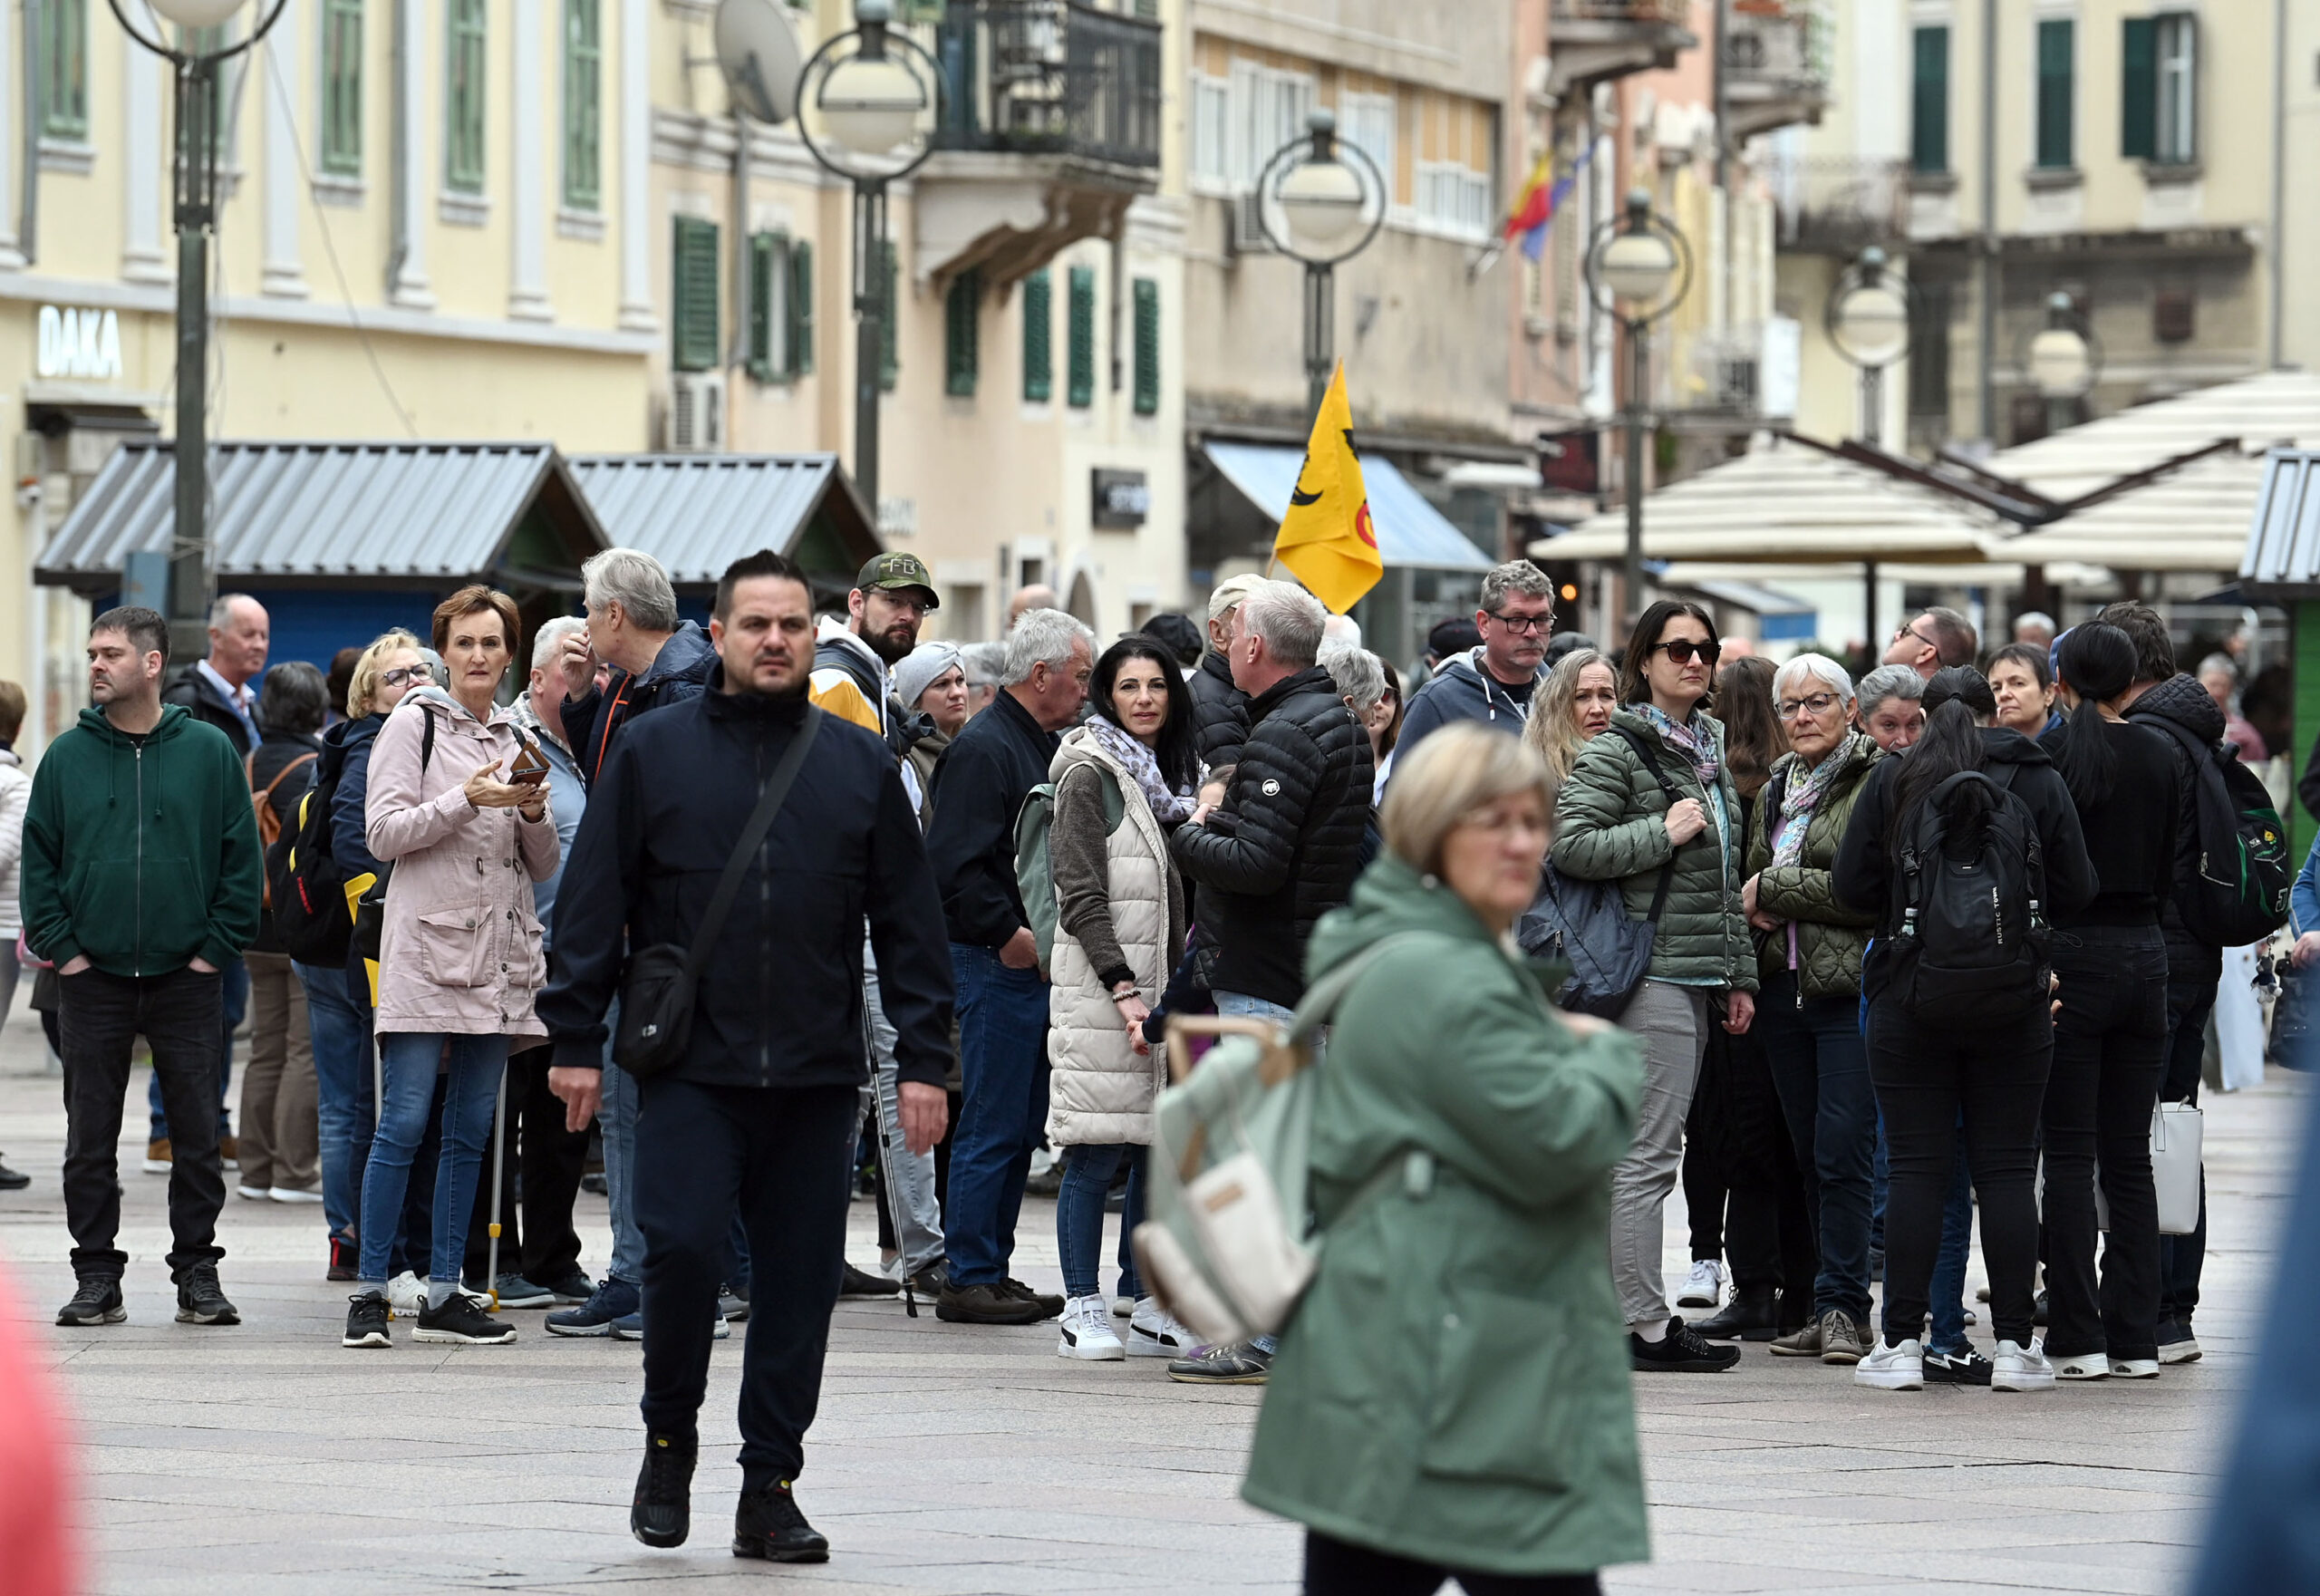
[1325,537]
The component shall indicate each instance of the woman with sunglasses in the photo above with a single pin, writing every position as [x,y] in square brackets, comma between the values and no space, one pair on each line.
[1654,798]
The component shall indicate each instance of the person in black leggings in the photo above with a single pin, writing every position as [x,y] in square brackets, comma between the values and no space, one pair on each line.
[1333,1568]
[2111,1036]
[1992,1066]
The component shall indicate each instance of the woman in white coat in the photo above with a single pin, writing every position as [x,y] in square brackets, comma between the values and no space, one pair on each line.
[1122,781]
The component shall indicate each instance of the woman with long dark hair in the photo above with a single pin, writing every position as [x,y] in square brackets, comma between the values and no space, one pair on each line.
[1654,795]
[1123,779]
[1992,1063]
[2110,1034]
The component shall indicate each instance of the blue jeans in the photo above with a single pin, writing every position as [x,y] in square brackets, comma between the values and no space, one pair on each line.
[1820,1068]
[1003,1059]
[1948,1307]
[410,1058]
[341,1038]
[1087,1172]
[237,991]
[617,1114]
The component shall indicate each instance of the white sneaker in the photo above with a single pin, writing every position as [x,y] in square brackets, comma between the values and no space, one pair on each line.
[1892,1368]
[292,1194]
[2086,1365]
[2017,1368]
[723,1331]
[2135,1368]
[1154,1332]
[1087,1331]
[407,1293]
[1123,1307]
[1703,1287]
[254,1194]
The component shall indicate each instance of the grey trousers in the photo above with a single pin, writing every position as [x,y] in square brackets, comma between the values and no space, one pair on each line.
[1671,1023]
[909,1176]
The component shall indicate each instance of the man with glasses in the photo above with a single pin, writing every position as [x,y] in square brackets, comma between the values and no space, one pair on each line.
[1932,639]
[1492,683]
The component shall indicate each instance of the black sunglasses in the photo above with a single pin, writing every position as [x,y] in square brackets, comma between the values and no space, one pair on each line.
[1682,650]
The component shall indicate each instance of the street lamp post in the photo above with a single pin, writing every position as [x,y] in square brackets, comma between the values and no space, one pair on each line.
[1643,265]
[2063,359]
[1332,201]
[1868,322]
[875,85]
[194,196]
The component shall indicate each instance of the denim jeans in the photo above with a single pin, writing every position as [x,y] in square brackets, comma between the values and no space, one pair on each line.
[1948,1306]
[908,1176]
[409,1059]
[1087,1172]
[2182,1257]
[1003,1058]
[235,995]
[1821,1067]
[617,1114]
[1243,1005]
[345,1108]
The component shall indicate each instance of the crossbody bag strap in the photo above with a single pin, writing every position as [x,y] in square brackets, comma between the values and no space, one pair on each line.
[729,885]
[1667,871]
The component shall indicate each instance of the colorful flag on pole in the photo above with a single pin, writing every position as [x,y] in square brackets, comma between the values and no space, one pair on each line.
[1325,537]
[1534,211]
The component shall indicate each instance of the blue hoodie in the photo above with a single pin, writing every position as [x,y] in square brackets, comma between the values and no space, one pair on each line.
[1464,690]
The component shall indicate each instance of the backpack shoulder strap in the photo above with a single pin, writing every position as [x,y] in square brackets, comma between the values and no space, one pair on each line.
[267,791]
[426,738]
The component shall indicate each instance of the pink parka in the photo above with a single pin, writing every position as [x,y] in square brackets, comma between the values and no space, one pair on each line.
[460,948]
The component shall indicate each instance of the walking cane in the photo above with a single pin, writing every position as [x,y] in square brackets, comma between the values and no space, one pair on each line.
[499,1192]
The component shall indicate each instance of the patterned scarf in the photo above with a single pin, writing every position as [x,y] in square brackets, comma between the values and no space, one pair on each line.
[1804,792]
[1168,807]
[1689,739]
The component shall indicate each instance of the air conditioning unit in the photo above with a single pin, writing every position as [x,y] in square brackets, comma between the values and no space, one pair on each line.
[1245,229]
[696,412]
[1737,384]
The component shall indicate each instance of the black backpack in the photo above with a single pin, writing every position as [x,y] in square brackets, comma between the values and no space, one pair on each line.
[1974,936]
[305,885]
[2239,892]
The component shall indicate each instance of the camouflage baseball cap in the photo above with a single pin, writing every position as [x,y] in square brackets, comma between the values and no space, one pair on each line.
[893,572]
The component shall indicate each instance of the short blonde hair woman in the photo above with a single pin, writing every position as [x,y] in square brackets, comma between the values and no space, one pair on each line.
[363,688]
[1573,709]
[1495,1122]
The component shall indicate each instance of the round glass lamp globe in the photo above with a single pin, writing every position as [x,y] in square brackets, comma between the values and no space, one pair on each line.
[1874,324]
[1636,268]
[871,106]
[197,13]
[1323,202]
[2060,365]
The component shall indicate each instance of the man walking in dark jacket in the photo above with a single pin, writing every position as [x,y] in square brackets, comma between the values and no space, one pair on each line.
[141,880]
[1492,683]
[980,785]
[1220,709]
[760,1108]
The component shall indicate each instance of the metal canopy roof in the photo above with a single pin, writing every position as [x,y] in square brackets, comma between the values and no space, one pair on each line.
[2282,560]
[2193,520]
[1411,531]
[2267,409]
[698,513]
[348,515]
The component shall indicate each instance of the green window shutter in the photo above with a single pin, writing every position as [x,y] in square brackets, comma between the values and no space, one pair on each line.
[582,106]
[1147,346]
[693,296]
[463,98]
[762,265]
[1929,103]
[2057,91]
[962,318]
[64,69]
[801,307]
[1081,312]
[342,131]
[890,356]
[1038,337]
[2139,90]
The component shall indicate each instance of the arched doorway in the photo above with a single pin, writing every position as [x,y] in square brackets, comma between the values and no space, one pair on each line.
[1082,602]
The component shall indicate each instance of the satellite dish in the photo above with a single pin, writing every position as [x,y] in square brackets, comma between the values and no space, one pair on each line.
[759,55]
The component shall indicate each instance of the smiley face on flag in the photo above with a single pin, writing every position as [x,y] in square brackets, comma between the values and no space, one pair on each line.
[1327,538]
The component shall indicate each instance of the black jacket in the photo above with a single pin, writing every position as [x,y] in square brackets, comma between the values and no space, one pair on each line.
[199,697]
[1220,712]
[1862,878]
[679,672]
[979,785]
[2183,702]
[781,998]
[1287,845]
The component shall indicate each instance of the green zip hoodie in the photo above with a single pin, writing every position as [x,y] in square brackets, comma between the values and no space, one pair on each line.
[141,854]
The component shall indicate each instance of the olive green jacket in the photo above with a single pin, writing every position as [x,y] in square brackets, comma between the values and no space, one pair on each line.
[1829,938]
[1454,1386]
[1610,825]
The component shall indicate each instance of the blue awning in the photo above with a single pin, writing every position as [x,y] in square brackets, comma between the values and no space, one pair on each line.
[1411,531]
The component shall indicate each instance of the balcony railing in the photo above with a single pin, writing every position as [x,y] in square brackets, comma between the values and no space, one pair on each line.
[1653,13]
[1782,50]
[1839,205]
[1049,77]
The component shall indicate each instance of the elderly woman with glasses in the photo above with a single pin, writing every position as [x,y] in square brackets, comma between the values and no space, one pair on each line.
[1809,960]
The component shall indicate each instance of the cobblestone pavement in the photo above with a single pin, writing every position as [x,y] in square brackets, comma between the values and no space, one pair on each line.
[267,1459]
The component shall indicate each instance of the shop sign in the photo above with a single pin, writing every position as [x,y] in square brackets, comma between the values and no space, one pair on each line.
[78,343]
[1122,499]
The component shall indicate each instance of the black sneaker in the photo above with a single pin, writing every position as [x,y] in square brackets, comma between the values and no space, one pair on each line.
[1050,1307]
[98,1301]
[200,1301]
[596,1184]
[570,1290]
[366,1321]
[462,1321]
[1964,1366]
[769,1525]
[734,1304]
[1239,1363]
[861,1283]
[1679,1351]
[930,1281]
[984,1305]
[661,1513]
[13,1180]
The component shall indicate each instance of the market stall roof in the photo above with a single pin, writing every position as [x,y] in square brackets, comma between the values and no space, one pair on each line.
[698,513]
[2281,563]
[2260,411]
[339,515]
[2193,520]
[1791,502]
[1411,531]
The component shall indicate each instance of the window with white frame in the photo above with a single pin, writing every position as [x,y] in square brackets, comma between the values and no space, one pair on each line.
[1452,197]
[1366,121]
[1268,108]
[1212,117]
[2178,52]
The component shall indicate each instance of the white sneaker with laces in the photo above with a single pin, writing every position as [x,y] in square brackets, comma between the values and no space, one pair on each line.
[1892,1368]
[1087,1331]
[2017,1368]
[2086,1365]
[1703,1287]
[407,1293]
[1154,1332]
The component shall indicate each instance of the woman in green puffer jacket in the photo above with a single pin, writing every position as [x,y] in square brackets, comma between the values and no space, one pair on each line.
[1810,969]
[1650,798]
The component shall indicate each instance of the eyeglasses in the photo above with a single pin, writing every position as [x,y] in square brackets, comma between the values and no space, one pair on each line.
[1528,625]
[402,674]
[1816,706]
[1682,650]
[1909,629]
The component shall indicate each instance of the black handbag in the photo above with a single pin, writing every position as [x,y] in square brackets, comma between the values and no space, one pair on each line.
[657,997]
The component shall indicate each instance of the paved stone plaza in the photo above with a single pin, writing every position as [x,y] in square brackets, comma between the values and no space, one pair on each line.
[267,1459]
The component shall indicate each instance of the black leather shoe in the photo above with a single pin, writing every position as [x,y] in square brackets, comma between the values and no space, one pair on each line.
[199,1300]
[1050,1307]
[1752,1315]
[861,1282]
[769,1525]
[661,1513]
[984,1304]
[12,1180]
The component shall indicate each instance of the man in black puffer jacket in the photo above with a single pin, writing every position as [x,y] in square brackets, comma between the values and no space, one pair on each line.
[1220,709]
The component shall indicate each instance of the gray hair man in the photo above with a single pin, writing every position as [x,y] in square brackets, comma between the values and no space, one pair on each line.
[1221,710]
[1492,683]
[2035,627]
[1886,706]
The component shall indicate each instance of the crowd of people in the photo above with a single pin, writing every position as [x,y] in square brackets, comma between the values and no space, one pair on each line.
[832,901]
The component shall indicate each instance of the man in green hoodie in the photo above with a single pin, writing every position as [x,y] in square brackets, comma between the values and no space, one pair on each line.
[141,880]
